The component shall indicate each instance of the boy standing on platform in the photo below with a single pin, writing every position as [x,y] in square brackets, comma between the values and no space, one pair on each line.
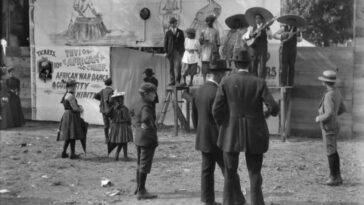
[210,42]
[104,96]
[330,107]
[146,139]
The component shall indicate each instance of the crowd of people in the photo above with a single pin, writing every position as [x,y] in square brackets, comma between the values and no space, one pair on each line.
[229,110]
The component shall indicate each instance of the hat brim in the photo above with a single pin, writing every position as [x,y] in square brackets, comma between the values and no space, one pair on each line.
[251,12]
[326,79]
[230,21]
[292,20]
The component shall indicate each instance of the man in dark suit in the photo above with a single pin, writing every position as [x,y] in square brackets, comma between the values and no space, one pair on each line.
[174,47]
[104,96]
[238,110]
[207,131]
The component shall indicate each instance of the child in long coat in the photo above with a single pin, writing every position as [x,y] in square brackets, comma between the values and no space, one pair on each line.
[120,130]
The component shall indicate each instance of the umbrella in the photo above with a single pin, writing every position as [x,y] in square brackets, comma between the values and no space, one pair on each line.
[111,147]
[236,21]
[84,126]
[292,20]
[252,12]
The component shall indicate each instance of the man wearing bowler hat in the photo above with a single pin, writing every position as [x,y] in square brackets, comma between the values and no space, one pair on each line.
[207,130]
[238,110]
[174,48]
[330,107]
[104,96]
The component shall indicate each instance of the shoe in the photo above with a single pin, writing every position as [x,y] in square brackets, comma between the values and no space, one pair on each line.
[334,181]
[171,84]
[126,159]
[74,156]
[64,155]
[144,194]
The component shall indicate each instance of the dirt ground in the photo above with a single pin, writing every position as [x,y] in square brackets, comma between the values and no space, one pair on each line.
[293,171]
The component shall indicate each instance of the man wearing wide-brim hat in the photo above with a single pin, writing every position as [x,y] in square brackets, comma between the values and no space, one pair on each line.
[259,32]
[238,110]
[330,107]
[233,40]
[207,130]
[289,34]
[174,48]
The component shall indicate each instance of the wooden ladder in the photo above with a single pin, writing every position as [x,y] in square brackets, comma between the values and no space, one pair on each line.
[172,95]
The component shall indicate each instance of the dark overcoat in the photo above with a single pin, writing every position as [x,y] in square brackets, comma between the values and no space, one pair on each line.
[105,99]
[145,136]
[174,42]
[207,130]
[238,109]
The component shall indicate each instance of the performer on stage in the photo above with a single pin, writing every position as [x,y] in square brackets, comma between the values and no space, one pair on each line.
[208,131]
[104,96]
[259,33]
[174,48]
[289,35]
[238,110]
[233,40]
[146,139]
[330,107]
[210,43]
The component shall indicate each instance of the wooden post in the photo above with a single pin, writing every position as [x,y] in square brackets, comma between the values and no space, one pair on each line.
[283,113]
[175,107]
[188,112]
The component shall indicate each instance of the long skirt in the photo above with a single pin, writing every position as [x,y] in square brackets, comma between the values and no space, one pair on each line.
[16,110]
[6,120]
[70,126]
[120,133]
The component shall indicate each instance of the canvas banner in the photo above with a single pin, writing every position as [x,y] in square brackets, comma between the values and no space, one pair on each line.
[119,22]
[89,66]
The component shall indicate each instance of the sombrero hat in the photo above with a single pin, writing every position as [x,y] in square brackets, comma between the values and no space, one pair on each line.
[236,21]
[252,12]
[292,20]
[328,76]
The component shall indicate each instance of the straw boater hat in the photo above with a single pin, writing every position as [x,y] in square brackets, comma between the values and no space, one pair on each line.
[218,66]
[210,18]
[328,76]
[238,19]
[117,94]
[292,20]
[172,20]
[252,12]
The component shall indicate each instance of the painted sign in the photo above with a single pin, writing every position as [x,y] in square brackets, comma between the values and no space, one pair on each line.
[118,22]
[89,66]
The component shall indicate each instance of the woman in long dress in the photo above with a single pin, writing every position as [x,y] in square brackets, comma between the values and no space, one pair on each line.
[13,85]
[6,118]
[70,128]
